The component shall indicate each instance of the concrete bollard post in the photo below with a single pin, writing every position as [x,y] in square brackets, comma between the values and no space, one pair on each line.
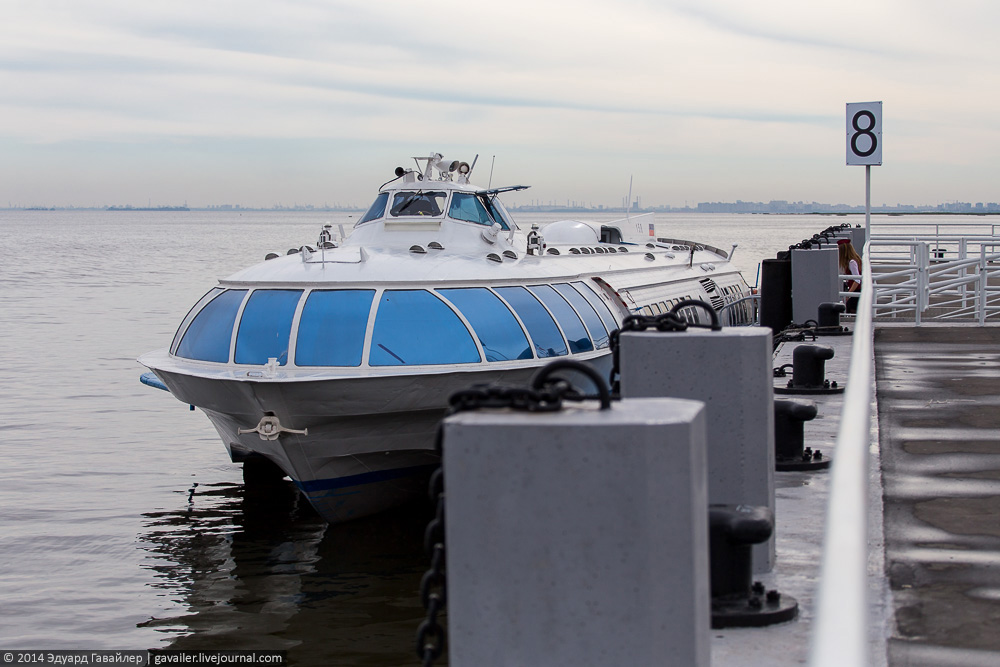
[858,238]
[730,370]
[814,281]
[578,537]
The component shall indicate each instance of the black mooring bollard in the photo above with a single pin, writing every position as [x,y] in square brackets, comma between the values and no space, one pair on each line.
[776,293]
[790,452]
[738,601]
[829,320]
[808,372]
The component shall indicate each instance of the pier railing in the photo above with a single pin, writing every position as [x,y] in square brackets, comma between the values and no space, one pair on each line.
[936,271]
[840,633]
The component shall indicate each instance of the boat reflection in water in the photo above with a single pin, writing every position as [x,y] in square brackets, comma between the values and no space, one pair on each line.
[257,568]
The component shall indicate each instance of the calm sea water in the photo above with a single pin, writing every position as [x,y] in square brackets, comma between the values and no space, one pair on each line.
[123,525]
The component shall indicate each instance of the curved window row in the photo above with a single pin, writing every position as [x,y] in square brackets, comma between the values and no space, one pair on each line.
[408,326]
[691,314]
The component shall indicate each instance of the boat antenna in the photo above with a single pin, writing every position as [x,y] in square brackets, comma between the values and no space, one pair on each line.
[628,202]
[474,160]
[490,184]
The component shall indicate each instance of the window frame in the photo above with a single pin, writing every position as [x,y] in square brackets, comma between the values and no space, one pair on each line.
[442,292]
[238,326]
[603,333]
[233,327]
[365,334]
[364,220]
[555,322]
[395,217]
[427,289]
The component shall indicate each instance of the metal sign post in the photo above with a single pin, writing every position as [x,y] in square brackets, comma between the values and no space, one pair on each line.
[864,146]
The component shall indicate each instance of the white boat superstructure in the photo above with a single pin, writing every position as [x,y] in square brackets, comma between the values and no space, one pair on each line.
[335,362]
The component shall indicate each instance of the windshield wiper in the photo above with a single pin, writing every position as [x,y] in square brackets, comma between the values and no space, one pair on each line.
[409,201]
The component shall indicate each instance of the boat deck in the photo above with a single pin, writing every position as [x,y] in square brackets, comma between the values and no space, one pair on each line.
[934,505]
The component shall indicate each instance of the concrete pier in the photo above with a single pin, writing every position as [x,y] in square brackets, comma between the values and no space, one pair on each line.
[800,508]
[939,419]
[934,505]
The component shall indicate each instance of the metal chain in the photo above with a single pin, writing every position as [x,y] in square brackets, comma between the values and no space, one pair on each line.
[669,321]
[430,633]
[793,333]
[546,394]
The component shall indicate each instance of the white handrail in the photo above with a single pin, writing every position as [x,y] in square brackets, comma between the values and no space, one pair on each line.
[908,276]
[840,632]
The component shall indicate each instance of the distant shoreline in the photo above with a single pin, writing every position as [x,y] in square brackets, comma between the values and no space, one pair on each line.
[512,209]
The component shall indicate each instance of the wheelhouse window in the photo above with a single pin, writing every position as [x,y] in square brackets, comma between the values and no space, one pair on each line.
[598,304]
[576,333]
[544,333]
[469,208]
[376,210]
[496,327]
[332,328]
[211,330]
[419,203]
[415,327]
[265,326]
[594,325]
[497,211]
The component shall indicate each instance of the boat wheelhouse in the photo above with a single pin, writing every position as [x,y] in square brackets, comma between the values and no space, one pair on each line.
[334,362]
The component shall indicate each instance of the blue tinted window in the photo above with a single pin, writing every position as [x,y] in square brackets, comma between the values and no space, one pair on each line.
[594,325]
[496,210]
[469,208]
[416,327]
[544,332]
[598,304]
[212,293]
[576,334]
[377,209]
[332,328]
[208,337]
[265,326]
[499,333]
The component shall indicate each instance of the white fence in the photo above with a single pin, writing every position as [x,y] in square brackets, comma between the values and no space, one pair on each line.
[937,271]
[840,632]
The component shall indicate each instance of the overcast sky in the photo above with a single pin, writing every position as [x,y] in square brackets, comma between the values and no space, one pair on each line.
[317,101]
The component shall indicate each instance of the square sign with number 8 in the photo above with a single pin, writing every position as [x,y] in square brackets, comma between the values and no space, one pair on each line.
[864,133]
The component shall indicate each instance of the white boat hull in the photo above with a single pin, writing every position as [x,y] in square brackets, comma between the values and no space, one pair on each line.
[369,441]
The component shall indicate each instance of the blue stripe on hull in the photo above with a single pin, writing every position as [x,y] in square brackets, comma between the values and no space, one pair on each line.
[373,477]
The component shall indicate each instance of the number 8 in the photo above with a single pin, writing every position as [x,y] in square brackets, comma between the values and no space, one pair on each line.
[863,132]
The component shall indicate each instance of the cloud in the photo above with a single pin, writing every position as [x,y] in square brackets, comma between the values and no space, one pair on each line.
[710,81]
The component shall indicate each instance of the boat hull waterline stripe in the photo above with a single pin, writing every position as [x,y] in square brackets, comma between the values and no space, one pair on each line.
[312,486]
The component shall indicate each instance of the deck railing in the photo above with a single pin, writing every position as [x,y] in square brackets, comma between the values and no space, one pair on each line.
[940,271]
[949,272]
[840,633]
